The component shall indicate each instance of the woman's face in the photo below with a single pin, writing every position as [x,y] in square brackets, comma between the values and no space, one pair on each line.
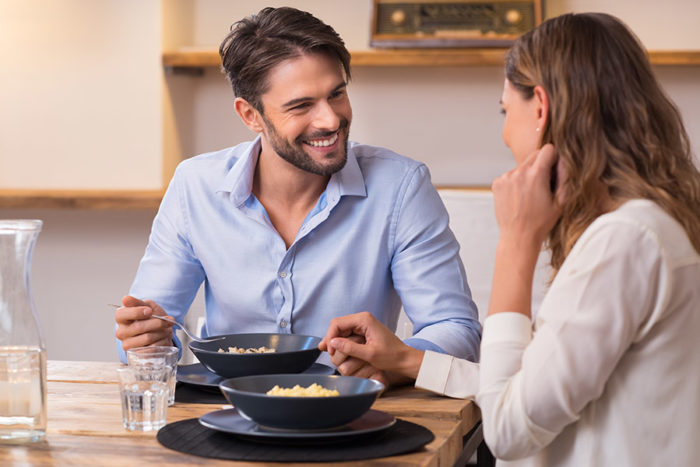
[520,128]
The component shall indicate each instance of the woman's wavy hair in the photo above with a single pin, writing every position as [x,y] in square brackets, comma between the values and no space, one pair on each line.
[609,121]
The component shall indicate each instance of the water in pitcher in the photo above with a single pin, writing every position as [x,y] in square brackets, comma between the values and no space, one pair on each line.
[22,394]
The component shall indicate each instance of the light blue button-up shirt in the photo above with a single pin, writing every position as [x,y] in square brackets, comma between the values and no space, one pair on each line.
[378,238]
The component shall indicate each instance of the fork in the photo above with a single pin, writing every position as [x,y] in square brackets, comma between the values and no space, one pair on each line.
[184,329]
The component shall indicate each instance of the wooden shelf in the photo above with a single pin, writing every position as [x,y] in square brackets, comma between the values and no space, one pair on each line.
[114,199]
[675,57]
[187,58]
[428,57]
[80,199]
[199,58]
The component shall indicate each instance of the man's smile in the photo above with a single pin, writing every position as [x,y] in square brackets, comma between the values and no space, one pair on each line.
[322,143]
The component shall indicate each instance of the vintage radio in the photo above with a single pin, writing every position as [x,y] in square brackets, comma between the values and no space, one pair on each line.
[465,23]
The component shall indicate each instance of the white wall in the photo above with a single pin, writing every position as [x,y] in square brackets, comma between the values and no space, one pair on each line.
[80,93]
[83,260]
[90,112]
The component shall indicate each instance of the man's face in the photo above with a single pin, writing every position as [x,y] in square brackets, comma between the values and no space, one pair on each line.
[307,113]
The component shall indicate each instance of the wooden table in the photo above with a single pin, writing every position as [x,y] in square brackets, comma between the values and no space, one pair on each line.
[85,426]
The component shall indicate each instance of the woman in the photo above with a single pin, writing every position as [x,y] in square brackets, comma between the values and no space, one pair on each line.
[611,373]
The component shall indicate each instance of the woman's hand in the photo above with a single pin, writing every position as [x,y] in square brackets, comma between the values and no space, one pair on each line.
[526,211]
[362,337]
[348,365]
[526,207]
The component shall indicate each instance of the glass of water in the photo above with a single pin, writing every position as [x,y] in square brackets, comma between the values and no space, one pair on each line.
[157,356]
[144,394]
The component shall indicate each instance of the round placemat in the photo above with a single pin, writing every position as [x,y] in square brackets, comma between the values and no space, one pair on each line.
[190,437]
[194,395]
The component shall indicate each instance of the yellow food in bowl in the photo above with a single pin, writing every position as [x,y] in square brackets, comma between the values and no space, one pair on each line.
[314,390]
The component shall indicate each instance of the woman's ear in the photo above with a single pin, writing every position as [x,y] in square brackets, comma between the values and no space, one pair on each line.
[249,114]
[542,107]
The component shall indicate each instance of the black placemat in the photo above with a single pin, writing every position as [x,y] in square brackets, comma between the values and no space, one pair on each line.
[194,395]
[190,437]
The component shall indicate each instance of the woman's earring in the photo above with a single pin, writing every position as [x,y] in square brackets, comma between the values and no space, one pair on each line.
[537,129]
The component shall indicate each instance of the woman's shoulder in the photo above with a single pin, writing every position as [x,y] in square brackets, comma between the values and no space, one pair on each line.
[642,219]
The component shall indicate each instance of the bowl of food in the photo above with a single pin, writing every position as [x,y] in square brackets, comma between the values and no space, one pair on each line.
[301,402]
[257,354]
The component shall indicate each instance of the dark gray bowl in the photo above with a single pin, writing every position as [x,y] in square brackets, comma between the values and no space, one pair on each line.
[248,396]
[294,353]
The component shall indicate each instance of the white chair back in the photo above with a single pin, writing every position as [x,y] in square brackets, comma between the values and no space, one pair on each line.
[473,221]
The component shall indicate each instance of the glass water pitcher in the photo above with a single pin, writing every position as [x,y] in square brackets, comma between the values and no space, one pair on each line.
[22,351]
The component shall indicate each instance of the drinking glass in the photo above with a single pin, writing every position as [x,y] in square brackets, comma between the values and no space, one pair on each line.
[157,356]
[144,394]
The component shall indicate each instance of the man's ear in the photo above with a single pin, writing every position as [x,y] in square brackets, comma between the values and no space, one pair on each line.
[542,108]
[249,114]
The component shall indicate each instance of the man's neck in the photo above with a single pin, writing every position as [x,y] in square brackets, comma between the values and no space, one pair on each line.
[279,182]
[287,193]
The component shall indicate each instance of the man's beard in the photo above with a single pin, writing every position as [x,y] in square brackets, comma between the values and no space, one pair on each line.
[297,156]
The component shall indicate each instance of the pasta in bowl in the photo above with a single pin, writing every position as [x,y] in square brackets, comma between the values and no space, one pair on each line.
[262,353]
[304,408]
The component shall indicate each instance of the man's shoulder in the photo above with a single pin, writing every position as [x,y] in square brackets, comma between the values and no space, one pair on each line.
[367,152]
[376,158]
[214,161]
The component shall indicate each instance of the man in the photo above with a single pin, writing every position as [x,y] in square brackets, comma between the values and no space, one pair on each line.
[300,226]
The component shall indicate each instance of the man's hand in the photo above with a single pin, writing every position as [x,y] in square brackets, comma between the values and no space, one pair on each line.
[362,344]
[136,328]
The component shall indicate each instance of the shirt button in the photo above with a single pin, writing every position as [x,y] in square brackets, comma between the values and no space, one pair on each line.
[283,324]
[283,274]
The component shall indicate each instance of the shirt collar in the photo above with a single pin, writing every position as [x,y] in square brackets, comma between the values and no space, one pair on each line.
[239,180]
[349,179]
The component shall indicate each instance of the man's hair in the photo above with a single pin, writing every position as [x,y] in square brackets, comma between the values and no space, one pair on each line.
[609,120]
[258,43]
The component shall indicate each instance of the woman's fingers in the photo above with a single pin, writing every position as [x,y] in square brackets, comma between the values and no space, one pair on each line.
[345,326]
[525,204]
[349,348]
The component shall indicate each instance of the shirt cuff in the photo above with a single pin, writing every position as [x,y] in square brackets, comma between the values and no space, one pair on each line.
[507,327]
[506,335]
[447,375]
[434,371]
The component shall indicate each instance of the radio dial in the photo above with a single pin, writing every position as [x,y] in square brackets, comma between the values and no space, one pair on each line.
[513,17]
[398,17]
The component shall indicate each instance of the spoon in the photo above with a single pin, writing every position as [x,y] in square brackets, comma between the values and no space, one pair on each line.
[184,329]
